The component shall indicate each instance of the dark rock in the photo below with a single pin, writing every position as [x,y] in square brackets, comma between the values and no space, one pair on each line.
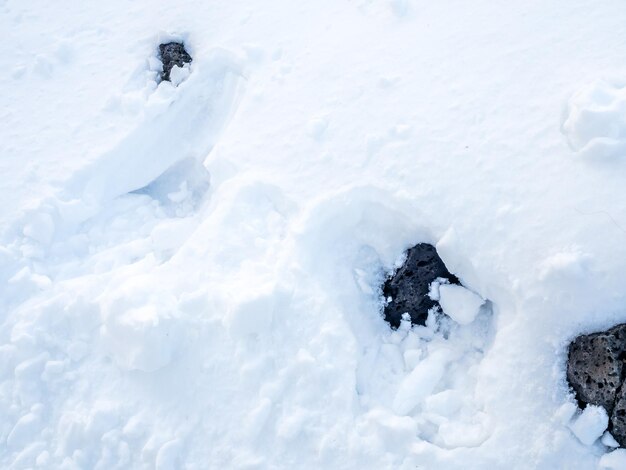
[596,371]
[408,287]
[171,54]
[618,418]
[595,366]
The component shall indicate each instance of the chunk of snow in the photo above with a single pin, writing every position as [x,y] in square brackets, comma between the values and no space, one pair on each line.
[445,403]
[179,74]
[566,412]
[459,303]
[590,425]
[421,381]
[608,440]
[433,291]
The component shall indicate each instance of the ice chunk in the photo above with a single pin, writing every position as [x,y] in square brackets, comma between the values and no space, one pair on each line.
[459,303]
[590,425]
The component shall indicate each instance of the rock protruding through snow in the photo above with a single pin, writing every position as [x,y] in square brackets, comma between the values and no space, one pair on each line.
[408,288]
[596,372]
[172,54]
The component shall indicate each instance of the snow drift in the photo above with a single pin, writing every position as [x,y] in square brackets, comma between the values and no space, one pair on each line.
[190,275]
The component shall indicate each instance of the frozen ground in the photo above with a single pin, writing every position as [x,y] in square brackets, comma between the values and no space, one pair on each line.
[189,276]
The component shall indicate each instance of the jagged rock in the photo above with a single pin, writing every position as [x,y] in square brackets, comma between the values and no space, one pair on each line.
[408,287]
[595,366]
[171,54]
[596,372]
[618,418]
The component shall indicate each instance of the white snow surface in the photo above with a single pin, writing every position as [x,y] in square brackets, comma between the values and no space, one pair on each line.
[190,272]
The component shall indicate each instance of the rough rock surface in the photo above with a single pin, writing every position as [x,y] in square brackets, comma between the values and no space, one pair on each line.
[596,372]
[618,418]
[171,54]
[408,287]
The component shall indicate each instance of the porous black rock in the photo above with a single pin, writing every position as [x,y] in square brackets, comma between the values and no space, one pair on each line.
[596,371]
[618,418]
[407,289]
[171,54]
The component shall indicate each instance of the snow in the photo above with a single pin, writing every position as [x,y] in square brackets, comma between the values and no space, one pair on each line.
[566,412]
[190,271]
[459,303]
[595,120]
[608,440]
[615,460]
[590,425]
[421,382]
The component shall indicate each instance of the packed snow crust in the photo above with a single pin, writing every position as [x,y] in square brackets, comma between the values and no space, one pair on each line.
[190,272]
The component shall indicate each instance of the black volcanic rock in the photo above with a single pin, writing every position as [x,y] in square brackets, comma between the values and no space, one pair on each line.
[407,289]
[618,418]
[596,371]
[171,54]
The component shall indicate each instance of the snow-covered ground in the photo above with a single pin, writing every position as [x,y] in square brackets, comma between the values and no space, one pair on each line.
[190,275]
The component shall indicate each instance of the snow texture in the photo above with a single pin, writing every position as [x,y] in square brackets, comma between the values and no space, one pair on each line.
[590,425]
[190,275]
[615,460]
[459,303]
[608,440]
[595,120]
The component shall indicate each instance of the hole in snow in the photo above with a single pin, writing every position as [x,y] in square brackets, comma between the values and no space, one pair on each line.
[408,290]
[173,54]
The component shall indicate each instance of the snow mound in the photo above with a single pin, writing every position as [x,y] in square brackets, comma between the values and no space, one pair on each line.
[595,120]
